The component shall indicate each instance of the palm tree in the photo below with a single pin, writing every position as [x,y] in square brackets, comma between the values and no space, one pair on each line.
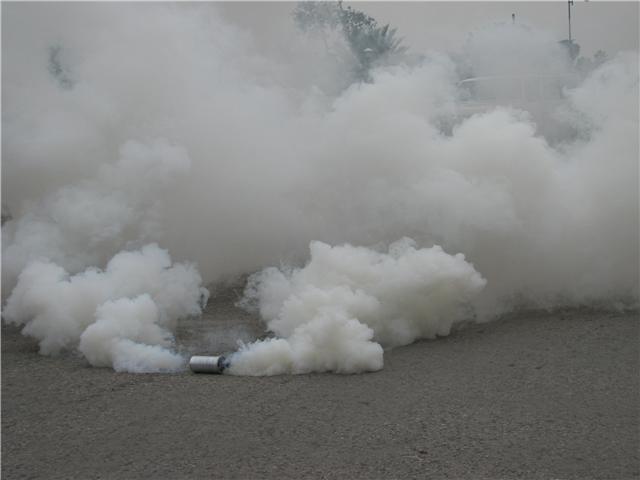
[369,43]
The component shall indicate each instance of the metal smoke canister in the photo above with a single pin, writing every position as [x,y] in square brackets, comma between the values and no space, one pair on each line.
[202,364]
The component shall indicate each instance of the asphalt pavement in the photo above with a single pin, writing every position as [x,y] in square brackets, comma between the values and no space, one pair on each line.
[535,395]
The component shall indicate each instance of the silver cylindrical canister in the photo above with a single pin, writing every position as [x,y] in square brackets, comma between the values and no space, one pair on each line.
[202,364]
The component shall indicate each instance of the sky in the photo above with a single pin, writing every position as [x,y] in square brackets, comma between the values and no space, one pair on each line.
[445,25]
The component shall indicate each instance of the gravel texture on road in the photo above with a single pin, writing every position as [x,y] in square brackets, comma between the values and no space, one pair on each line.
[533,395]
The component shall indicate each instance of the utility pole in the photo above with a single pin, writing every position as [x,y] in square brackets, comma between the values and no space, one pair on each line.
[569,5]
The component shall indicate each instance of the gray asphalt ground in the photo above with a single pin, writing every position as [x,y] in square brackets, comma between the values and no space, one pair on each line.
[533,395]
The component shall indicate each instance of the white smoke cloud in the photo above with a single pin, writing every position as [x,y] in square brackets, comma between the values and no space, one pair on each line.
[127,337]
[337,312]
[120,317]
[514,49]
[172,126]
[84,224]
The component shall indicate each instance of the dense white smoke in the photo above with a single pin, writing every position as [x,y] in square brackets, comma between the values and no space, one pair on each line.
[120,317]
[514,49]
[127,337]
[330,313]
[84,223]
[125,124]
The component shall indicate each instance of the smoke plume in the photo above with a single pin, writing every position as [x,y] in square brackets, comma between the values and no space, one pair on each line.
[331,314]
[128,125]
[120,317]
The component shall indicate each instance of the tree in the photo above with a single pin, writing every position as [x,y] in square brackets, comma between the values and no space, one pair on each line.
[369,43]
[573,48]
[57,69]
[586,65]
[316,18]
